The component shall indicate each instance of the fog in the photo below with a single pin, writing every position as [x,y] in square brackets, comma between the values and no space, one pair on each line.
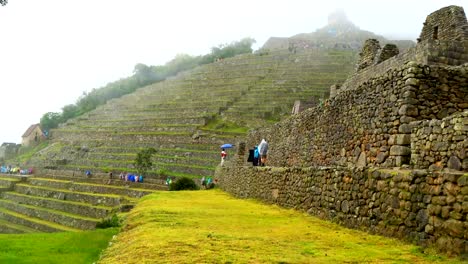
[51,51]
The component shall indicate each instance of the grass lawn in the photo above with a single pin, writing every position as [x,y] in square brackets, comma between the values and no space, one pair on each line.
[66,247]
[213,227]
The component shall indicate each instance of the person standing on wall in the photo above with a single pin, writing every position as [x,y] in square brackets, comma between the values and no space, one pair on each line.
[223,156]
[263,149]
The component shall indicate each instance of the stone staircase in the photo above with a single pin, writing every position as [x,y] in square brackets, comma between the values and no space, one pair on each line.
[173,116]
[56,203]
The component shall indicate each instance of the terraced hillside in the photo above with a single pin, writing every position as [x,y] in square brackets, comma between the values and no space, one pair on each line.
[54,203]
[189,116]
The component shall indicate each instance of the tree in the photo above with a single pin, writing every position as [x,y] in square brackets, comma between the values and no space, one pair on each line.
[3,2]
[50,120]
[143,160]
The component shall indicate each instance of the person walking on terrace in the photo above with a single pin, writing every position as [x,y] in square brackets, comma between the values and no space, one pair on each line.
[263,149]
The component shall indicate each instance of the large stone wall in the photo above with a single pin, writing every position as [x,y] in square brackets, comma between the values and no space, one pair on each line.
[441,143]
[429,208]
[370,125]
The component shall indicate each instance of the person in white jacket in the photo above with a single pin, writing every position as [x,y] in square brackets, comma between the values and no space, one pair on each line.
[263,149]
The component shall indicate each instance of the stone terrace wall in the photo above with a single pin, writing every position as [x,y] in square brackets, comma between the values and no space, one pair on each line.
[429,208]
[441,143]
[370,125]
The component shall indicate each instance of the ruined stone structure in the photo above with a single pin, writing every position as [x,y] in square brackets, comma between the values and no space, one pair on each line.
[368,54]
[448,23]
[387,153]
[8,150]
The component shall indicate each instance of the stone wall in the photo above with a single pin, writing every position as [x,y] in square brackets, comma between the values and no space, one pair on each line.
[370,125]
[448,23]
[428,52]
[369,52]
[441,143]
[429,208]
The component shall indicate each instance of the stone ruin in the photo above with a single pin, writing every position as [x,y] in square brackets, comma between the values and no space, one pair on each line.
[388,152]
[448,23]
[372,53]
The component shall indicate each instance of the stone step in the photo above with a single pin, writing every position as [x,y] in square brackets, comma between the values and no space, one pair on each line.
[62,194]
[175,159]
[12,228]
[149,184]
[8,183]
[50,215]
[122,165]
[90,187]
[32,222]
[61,205]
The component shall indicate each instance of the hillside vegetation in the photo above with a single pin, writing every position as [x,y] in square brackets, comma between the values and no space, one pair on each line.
[213,227]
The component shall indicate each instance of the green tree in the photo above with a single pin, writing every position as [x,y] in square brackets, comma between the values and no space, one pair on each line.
[50,120]
[143,160]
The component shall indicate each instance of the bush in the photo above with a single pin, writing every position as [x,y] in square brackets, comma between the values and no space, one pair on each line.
[183,183]
[112,221]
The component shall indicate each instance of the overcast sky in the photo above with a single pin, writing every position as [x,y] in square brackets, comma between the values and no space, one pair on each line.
[51,51]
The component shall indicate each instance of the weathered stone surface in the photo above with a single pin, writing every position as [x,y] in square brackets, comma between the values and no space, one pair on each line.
[362,160]
[454,163]
[397,150]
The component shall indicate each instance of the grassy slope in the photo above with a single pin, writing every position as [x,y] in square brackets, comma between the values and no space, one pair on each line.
[65,247]
[213,227]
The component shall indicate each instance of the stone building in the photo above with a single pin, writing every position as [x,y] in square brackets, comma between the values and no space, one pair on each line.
[32,136]
[8,150]
[448,23]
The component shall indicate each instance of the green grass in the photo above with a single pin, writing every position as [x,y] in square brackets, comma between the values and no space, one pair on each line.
[213,227]
[218,124]
[64,247]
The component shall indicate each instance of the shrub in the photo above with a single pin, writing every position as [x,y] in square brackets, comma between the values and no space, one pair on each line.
[112,221]
[183,183]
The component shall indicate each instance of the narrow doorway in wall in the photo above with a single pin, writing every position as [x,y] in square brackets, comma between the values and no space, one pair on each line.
[435,34]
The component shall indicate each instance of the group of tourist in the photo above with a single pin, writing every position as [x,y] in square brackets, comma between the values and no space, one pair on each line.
[128,177]
[258,155]
[15,170]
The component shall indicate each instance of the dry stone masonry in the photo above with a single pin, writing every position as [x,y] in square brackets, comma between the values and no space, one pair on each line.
[387,152]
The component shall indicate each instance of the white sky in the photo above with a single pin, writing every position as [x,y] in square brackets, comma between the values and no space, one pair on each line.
[53,50]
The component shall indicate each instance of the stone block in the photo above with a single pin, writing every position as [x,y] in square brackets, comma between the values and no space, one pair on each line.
[362,160]
[403,139]
[397,150]
[408,110]
[454,163]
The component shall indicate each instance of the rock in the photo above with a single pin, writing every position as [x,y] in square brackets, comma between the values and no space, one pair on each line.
[381,157]
[454,163]
[412,81]
[408,110]
[345,206]
[397,150]
[362,160]
[455,228]
[403,139]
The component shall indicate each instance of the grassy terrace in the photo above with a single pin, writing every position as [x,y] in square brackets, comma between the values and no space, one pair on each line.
[55,248]
[213,227]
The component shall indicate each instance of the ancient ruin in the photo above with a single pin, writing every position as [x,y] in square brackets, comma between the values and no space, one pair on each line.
[387,152]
